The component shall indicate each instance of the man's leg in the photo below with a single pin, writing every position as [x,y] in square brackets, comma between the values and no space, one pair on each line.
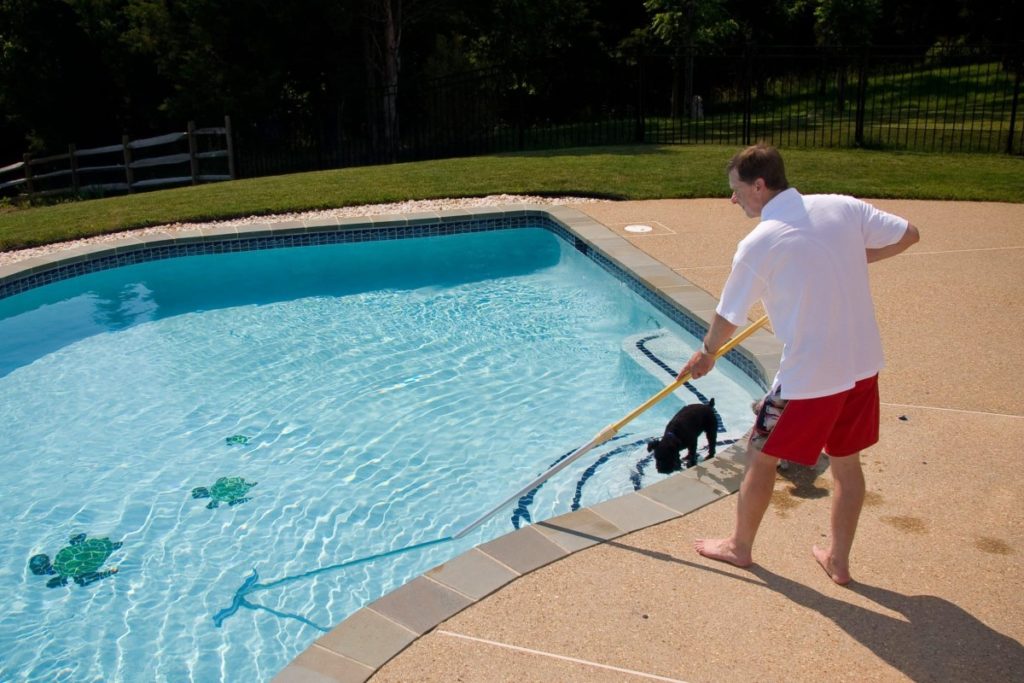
[754,496]
[847,501]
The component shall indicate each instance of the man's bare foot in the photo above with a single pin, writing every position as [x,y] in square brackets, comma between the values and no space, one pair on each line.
[723,549]
[840,576]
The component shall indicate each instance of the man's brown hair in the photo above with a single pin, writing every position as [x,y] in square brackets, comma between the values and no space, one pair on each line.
[760,161]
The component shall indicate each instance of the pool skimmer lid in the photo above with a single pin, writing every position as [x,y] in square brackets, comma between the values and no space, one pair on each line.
[638,228]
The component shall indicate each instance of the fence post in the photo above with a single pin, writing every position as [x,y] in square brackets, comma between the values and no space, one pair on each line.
[520,117]
[231,147]
[193,162]
[861,104]
[27,158]
[639,132]
[1013,108]
[127,161]
[73,163]
[748,103]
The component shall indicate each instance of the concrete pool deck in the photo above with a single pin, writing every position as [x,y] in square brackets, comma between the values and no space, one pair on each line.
[937,592]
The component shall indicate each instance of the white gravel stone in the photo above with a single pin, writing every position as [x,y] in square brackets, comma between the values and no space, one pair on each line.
[415,206]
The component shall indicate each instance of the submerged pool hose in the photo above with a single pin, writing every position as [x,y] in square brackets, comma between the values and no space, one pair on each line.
[251,584]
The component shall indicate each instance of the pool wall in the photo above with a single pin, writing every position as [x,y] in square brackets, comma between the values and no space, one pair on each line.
[681,301]
[355,648]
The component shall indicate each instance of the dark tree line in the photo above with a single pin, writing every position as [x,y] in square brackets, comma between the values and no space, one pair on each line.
[86,71]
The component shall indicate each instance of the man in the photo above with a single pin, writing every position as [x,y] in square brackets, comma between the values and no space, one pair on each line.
[806,261]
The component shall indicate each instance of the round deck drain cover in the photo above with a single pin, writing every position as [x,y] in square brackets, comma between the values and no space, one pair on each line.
[638,228]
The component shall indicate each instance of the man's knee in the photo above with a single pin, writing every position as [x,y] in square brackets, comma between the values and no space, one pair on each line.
[845,466]
[756,459]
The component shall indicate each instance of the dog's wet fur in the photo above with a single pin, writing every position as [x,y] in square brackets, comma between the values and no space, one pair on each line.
[682,432]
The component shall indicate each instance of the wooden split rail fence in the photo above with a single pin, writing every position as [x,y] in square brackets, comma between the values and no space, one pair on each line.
[198,155]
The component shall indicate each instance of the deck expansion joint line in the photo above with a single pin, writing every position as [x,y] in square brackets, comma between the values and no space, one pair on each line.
[960,251]
[551,655]
[953,410]
[679,269]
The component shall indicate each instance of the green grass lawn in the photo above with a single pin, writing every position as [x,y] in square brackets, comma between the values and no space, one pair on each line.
[626,172]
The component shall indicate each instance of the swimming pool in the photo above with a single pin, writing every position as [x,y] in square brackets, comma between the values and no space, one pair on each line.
[351,397]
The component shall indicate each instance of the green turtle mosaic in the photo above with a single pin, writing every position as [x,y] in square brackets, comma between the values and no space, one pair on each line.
[230,490]
[80,561]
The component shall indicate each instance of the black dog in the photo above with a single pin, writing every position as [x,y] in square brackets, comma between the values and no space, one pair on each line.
[682,432]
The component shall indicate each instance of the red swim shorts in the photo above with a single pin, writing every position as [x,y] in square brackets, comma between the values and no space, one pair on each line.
[841,424]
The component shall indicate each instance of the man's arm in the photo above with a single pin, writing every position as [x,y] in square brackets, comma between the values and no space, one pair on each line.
[700,363]
[910,237]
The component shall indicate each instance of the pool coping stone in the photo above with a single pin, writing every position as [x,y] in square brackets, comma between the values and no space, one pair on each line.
[318,665]
[473,573]
[419,605]
[369,635]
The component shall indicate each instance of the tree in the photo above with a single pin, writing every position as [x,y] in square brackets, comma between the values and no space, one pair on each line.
[54,86]
[843,26]
[542,54]
[383,24]
[768,23]
[846,24]
[685,26]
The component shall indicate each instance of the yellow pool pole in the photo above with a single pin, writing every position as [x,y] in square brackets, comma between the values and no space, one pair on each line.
[611,430]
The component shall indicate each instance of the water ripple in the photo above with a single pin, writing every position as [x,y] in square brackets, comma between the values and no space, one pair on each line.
[373,421]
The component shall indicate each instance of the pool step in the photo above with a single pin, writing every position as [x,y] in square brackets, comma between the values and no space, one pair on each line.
[662,354]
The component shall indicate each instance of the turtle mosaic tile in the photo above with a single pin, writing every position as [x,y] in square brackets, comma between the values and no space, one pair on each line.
[80,561]
[230,490]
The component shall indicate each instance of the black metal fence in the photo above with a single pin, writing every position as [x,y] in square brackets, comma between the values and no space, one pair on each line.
[951,100]
[944,100]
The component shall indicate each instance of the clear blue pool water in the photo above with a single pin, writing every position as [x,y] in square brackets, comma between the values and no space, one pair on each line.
[383,394]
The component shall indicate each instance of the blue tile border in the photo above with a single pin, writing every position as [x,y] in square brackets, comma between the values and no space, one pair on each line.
[142,253]
[372,229]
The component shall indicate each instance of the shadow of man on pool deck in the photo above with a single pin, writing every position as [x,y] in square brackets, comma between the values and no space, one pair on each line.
[938,641]
[935,640]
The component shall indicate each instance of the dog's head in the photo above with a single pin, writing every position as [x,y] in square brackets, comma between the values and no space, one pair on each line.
[666,453]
